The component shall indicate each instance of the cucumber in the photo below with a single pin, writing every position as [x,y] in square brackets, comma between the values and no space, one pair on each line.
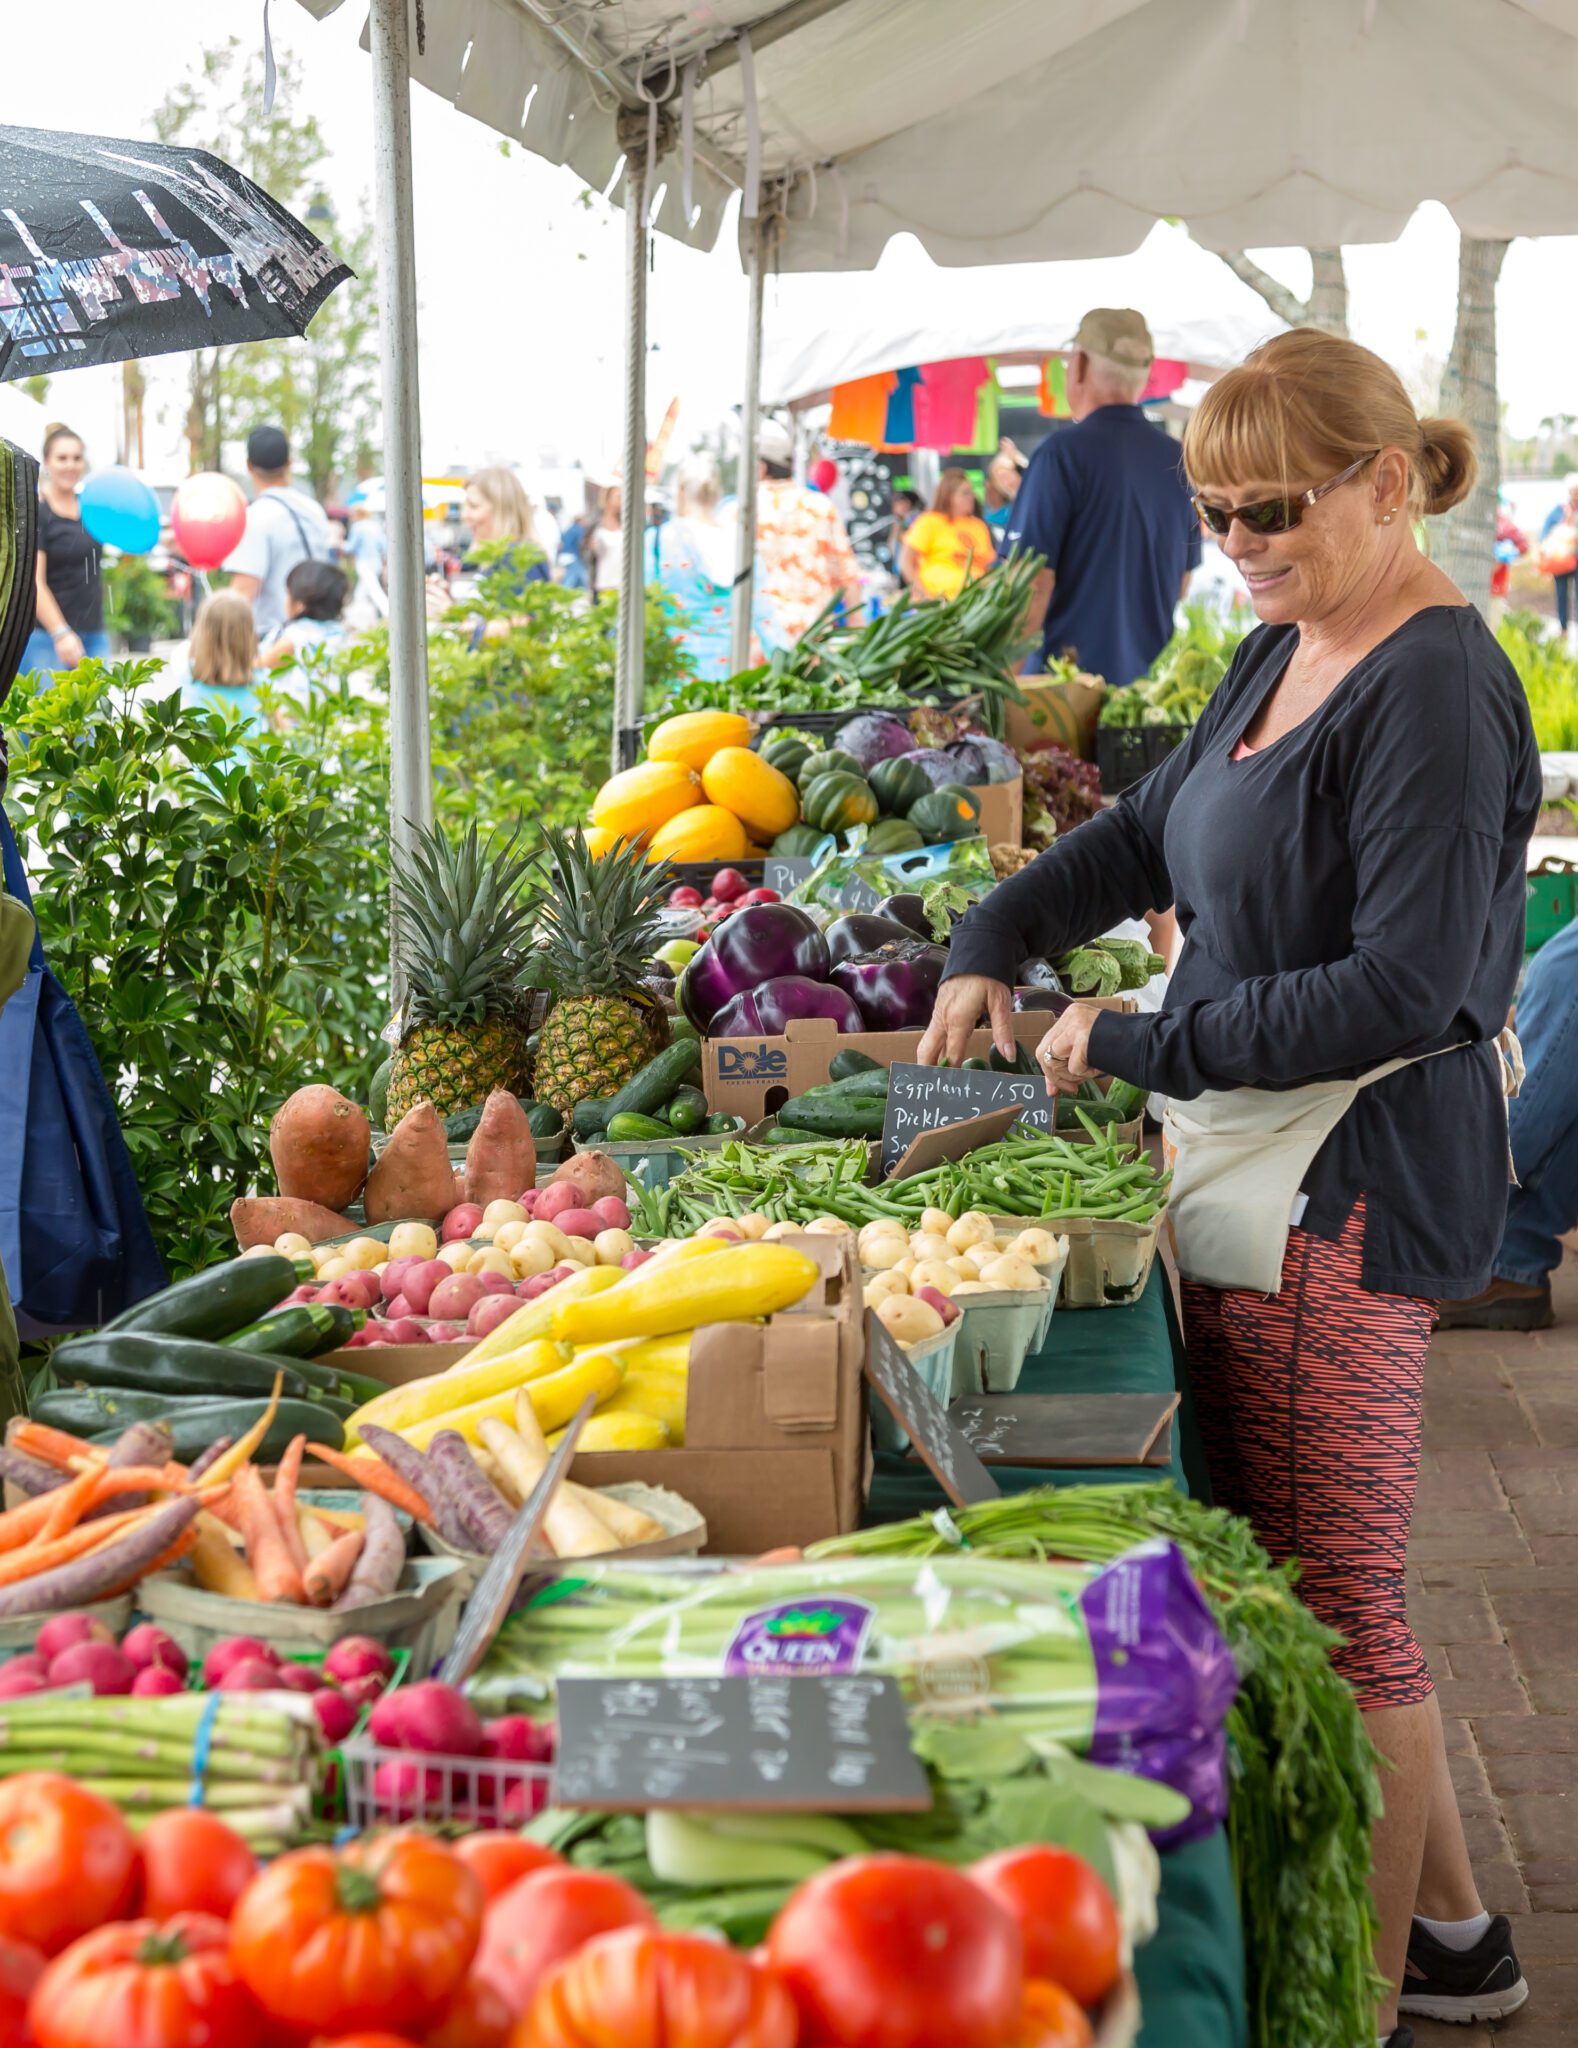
[652,1085]
[1126,1097]
[590,1114]
[722,1125]
[300,1331]
[688,1111]
[544,1119]
[102,1414]
[873,1086]
[461,1124]
[835,1116]
[154,1364]
[1069,1112]
[630,1127]
[850,1061]
[213,1303]
[1023,1061]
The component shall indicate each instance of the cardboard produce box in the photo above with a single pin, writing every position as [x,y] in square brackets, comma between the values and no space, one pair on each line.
[751,1077]
[1064,712]
[775,1428]
[1002,811]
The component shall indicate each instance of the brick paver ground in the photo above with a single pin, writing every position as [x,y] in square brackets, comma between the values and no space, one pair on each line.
[1494,1597]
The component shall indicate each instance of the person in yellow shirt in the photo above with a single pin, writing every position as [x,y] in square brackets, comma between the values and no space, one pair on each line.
[951,544]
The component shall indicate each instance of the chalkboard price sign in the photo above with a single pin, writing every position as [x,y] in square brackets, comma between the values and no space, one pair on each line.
[772,1739]
[926,1098]
[785,872]
[942,1447]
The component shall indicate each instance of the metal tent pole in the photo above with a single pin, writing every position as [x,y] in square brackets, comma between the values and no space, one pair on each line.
[630,650]
[756,232]
[410,766]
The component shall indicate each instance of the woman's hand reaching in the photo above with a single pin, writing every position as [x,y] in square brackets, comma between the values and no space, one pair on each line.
[1063,1055]
[958,1011]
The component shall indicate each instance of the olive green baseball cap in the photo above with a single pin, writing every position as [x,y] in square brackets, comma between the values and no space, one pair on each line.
[1118,334]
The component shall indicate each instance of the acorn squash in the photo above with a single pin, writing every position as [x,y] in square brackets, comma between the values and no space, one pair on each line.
[951,812]
[831,762]
[759,795]
[798,843]
[833,803]
[788,752]
[892,835]
[899,782]
[693,737]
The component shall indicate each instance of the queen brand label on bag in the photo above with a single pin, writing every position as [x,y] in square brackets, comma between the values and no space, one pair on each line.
[801,1638]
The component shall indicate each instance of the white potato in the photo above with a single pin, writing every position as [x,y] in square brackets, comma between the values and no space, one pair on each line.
[753,1224]
[491,1260]
[292,1244]
[331,1269]
[937,1220]
[456,1255]
[908,1321]
[884,1253]
[930,1244]
[413,1241]
[363,1253]
[612,1245]
[972,1228]
[263,1251]
[501,1212]
[1009,1271]
[934,1273]
[1038,1246]
[529,1256]
[882,1286]
[545,1233]
[827,1226]
[508,1235]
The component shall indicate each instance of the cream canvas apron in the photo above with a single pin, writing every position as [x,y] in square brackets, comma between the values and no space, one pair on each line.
[1239,1157]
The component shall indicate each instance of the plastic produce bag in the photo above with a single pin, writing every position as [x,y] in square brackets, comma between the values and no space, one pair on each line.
[850,880]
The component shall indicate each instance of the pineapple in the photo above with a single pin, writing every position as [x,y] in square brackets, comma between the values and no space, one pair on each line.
[595,936]
[461,911]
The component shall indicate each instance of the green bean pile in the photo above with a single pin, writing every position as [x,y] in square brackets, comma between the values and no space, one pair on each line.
[1028,1173]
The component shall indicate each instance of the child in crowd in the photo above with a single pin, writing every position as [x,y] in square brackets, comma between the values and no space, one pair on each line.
[222,659]
[315,594]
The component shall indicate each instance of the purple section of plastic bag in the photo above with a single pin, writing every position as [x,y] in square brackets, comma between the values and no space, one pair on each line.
[1165,1679]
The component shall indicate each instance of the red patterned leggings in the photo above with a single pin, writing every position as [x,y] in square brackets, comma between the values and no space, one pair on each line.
[1309,1405]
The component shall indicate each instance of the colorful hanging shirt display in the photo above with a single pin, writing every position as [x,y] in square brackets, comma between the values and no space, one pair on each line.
[945,407]
[899,431]
[860,409]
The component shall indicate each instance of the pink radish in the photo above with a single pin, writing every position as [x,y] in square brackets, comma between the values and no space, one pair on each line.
[232,1651]
[386,1723]
[29,1660]
[147,1644]
[253,1674]
[418,1282]
[15,1685]
[405,1791]
[519,1740]
[437,1719]
[363,1692]
[301,1678]
[155,1681]
[100,1664]
[559,1195]
[61,1631]
[462,1221]
[358,1657]
[337,1715]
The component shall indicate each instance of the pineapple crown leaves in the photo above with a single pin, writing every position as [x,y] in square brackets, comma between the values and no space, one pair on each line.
[597,929]
[462,913]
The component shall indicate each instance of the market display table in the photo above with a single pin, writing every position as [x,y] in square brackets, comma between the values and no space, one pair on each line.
[1191,1972]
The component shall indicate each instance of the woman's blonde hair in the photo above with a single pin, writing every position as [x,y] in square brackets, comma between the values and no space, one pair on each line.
[224,646]
[698,487]
[1305,405]
[511,506]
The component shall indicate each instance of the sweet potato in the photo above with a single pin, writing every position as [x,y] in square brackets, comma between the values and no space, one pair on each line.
[319,1145]
[594,1173]
[260,1219]
[502,1156]
[413,1177]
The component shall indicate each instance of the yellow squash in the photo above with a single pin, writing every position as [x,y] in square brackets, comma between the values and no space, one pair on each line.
[554,1399]
[693,737]
[645,797]
[659,1395]
[764,800]
[606,1431]
[704,832]
[458,1388]
[740,1284]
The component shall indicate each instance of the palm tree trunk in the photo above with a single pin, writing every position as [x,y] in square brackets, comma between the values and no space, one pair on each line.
[1328,299]
[1464,542]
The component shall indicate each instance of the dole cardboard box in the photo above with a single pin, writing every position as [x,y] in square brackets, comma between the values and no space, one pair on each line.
[775,1427]
[751,1077]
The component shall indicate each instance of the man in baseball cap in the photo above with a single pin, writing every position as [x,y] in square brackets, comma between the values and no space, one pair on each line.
[803,555]
[284,526]
[1105,502]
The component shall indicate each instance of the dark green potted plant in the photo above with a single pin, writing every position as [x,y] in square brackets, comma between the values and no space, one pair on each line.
[135,605]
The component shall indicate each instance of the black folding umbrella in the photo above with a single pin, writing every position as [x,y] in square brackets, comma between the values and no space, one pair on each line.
[111,249]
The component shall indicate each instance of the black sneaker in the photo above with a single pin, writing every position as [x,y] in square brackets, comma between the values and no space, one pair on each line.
[1400,2037]
[1462,1985]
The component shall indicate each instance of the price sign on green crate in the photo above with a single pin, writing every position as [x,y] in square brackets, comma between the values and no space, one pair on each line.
[926,1098]
[779,1737]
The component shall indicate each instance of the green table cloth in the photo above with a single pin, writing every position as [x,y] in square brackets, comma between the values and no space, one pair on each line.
[1191,1972]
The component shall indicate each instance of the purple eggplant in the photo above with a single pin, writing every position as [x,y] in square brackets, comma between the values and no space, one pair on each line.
[1041,999]
[860,932]
[753,946]
[873,736]
[775,1003]
[909,911]
[896,987]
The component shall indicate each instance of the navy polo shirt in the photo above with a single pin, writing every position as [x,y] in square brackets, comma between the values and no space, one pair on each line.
[1106,503]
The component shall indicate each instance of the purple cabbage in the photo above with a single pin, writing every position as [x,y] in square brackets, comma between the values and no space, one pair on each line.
[969,761]
[1002,763]
[935,763]
[860,932]
[895,988]
[767,1009]
[873,736]
[764,943]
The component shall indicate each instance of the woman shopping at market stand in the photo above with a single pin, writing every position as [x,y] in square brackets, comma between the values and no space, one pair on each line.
[70,623]
[949,546]
[1343,837]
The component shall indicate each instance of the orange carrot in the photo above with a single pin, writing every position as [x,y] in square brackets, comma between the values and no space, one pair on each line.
[40,1556]
[329,1574]
[70,1503]
[228,1463]
[53,1512]
[55,1446]
[277,1576]
[134,1478]
[376,1477]
[285,1501]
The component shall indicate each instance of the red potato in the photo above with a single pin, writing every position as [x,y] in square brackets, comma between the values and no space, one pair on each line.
[319,1145]
[402,1330]
[540,1283]
[397,1310]
[420,1280]
[461,1221]
[579,1222]
[635,1258]
[935,1298]
[352,1290]
[359,1340]
[305,1292]
[413,1177]
[495,1283]
[595,1174]
[528,1199]
[394,1273]
[261,1219]
[490,1311]
[456,1296]
[502,1154]
[445,1333]
[559,1195]
[611,1211]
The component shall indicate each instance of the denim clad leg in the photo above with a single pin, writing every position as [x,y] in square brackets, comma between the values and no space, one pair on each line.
[1544,1118]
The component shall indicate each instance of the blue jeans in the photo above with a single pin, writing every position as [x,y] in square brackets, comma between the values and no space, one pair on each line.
[1544,1118]
[39,652]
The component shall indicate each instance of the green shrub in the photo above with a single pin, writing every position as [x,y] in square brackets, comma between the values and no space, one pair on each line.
[1550,679]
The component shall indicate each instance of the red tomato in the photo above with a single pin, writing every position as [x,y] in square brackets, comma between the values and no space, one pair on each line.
[1050,2018]
[380,1934]
[547,1916]
[362,2041]
[1065,1913]
[146,1984]
[896,1952]
[643,1989]
[478,2018]
[498,1859]
[192,1863]
[20,1969]
[67,1860]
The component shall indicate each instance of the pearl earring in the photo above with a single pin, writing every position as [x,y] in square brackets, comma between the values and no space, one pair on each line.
[1386,518]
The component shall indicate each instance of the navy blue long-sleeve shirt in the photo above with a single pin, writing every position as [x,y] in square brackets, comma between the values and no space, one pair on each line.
[1350,893]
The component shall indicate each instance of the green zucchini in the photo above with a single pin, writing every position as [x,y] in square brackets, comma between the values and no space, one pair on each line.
[301,1330]
[1126,1097]
[835,1116]
[851,1061]
[213,1303]
[589,1114]
[649,1087]
[1069,1113]
[630,1127]
[688,1111]
[171,1365]
[354,1389]
[101,1414]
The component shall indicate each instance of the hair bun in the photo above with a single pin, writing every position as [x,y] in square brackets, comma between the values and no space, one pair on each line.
[1448,462]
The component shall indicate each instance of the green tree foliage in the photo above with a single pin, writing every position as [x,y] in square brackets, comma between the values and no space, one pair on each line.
[322,389]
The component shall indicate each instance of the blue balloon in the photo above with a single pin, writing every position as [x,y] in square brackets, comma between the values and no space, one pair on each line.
[120,511]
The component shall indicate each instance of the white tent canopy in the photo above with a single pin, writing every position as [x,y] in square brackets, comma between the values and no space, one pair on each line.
[1198,312]
[1029,130]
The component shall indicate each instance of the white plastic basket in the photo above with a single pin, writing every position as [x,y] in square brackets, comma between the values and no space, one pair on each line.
[388,1786]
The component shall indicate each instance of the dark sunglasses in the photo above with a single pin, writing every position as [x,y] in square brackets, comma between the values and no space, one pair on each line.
[1272,515]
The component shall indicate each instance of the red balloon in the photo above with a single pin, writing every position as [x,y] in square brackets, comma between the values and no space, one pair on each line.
[824,472]
[208,517]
